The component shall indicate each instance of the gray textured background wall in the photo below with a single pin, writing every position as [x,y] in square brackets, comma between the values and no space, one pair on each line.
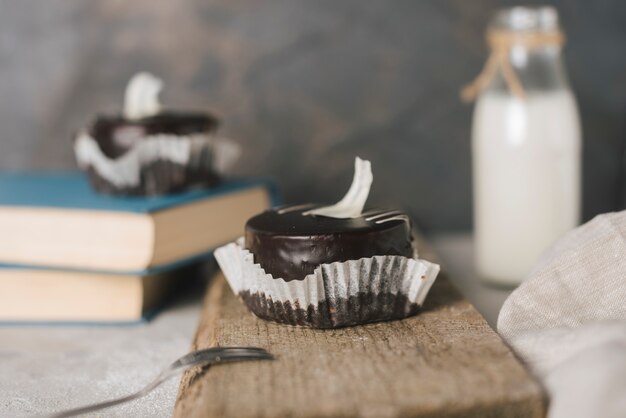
[304,86]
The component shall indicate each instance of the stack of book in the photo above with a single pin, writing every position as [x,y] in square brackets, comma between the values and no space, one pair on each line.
[69,254]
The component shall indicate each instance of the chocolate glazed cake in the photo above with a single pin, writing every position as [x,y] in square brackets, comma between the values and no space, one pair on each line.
[159,171]
[289,245]
[329,266]
[145,150]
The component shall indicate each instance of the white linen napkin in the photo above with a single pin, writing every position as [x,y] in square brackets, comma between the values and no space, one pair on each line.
[567,321]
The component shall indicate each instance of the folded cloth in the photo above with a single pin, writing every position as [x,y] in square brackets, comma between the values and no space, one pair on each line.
[567,321]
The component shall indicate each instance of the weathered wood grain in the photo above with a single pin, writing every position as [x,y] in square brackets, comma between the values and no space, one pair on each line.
[445,362]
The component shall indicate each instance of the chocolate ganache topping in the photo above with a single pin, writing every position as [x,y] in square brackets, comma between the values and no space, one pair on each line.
[290,244]
[115,134]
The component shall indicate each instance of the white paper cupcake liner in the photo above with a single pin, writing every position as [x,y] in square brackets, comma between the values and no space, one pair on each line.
[336,294]
[201,152]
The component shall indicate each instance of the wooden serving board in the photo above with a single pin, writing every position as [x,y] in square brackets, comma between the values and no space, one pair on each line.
[444,362]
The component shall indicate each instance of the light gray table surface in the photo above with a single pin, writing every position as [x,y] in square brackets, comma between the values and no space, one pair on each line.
[45,369]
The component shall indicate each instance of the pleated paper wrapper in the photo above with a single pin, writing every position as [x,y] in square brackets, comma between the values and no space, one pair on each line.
[335,295]
[158,164]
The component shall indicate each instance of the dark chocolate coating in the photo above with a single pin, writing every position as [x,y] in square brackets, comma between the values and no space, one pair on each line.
[115,134]
[291,245]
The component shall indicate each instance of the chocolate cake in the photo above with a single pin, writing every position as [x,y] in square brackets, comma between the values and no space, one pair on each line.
[329,266]
[290,245]
[148,151]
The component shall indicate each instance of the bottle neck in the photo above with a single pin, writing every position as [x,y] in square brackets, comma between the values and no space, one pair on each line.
[534,58]
[520,63]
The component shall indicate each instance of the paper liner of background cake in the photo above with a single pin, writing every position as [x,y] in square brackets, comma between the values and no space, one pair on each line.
[157,164]
[335,295]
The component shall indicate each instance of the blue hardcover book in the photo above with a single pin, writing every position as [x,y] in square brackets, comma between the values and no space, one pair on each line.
[61,240]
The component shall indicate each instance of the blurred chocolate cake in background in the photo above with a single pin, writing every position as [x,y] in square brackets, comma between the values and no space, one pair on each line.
[149,151]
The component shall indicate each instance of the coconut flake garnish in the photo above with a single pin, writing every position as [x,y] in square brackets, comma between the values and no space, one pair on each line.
[141,98]
[351,206]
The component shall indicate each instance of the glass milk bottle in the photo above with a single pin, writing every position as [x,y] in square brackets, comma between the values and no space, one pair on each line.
[526,145]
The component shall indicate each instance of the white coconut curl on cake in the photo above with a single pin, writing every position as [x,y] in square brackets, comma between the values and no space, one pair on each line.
[153,163]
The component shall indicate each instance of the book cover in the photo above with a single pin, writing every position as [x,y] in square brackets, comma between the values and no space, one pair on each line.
[71,190]
[27,289]
[73,240]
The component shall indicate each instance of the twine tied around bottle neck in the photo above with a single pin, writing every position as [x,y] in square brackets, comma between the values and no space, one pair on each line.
[501,41]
